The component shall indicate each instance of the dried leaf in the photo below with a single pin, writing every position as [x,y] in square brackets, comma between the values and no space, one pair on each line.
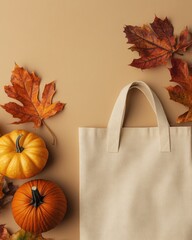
[184,40]
[4,234]
[7,190]
[1,186]
[156,43]
[25,88]
[22,235]
[182,92]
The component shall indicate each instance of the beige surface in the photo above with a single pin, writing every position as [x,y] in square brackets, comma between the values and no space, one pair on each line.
[81,45]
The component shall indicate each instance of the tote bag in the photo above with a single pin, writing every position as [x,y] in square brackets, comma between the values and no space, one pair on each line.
[135,183]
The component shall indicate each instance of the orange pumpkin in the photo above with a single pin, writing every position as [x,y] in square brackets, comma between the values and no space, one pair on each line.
[22,154]
[39,206]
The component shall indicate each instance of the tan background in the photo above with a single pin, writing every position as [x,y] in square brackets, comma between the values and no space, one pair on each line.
[81,45]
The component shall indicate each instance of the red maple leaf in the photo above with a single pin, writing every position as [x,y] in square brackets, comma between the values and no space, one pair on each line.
[182,91]
[156,43]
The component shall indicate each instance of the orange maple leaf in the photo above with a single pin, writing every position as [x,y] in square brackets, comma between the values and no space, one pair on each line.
[181,93]
[25,88]
[156,43]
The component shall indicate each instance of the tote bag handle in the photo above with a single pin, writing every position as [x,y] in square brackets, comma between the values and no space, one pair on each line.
[117,118]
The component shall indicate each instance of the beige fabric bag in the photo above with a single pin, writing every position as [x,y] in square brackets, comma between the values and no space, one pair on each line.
[135,183]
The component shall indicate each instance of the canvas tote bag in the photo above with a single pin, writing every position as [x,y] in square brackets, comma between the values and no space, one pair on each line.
[135,183]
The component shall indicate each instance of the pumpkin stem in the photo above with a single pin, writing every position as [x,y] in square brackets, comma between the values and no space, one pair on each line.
[37,199]
[19,148]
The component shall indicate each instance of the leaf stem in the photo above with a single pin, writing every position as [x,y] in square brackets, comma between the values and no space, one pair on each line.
[54,138]
[180,54]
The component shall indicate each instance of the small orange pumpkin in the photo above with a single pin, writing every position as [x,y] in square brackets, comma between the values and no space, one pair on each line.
[22,154]
[39,206]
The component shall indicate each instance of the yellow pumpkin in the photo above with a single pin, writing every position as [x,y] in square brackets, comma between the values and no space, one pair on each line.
[22,154]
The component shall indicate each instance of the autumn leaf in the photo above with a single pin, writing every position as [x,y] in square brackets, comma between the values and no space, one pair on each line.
[23,235]
[184,40]
[4,234]
[156,43]
[1,186]
[182,91]
[25,89]
[7,190]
